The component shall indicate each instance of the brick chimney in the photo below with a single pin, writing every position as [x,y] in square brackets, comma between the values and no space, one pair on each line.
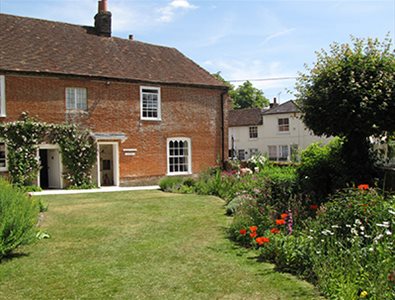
[274,104]
[103,20]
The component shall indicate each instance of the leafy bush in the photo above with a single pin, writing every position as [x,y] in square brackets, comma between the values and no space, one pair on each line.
[170,183]
[18,217]
[214,182]
[321,171]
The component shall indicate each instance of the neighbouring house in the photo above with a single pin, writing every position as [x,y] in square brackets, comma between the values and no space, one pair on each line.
[277,132]
[152,110]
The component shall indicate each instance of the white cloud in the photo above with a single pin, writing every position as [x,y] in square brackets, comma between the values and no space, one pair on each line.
[277,34]
[168,12]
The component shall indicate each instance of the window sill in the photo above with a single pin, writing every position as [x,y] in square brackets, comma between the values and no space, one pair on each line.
[150,120]
[283,133]
[253,139]
[3,170]
[178,173]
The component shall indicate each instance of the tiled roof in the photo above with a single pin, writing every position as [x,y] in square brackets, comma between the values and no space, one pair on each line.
[287,107]
[245,117]
[40,46]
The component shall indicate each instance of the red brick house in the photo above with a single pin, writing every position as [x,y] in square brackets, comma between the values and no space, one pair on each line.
[153,111]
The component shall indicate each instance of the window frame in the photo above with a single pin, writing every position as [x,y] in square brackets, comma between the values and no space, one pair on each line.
[2,97]
[4,169]
[271,158]
[281,152]
[282,128]
[75,108]
[189,157]
[159,104]
[253,130]
[241,157]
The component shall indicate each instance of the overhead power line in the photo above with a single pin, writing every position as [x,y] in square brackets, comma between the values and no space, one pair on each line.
[264,79]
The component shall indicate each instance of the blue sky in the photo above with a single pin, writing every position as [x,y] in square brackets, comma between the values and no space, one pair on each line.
[243,39]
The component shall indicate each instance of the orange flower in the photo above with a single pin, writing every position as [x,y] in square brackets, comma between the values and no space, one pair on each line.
[253,228]
[261,240]
[243,231]
[363,186]
[280,222]
[275,230]
[284,216]
[313,206]
[253,235]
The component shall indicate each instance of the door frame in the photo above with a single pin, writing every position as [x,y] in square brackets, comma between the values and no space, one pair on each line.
[51,147]
[115,158]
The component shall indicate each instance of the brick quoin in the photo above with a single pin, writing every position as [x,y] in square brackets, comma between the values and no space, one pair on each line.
[114,106]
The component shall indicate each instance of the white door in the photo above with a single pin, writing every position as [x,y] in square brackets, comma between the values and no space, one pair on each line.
[53,169]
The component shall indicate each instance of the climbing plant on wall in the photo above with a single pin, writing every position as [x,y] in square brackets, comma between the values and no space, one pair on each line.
[23,137]
[79,152]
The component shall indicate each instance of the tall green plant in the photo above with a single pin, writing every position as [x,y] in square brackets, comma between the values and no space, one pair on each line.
[18,217]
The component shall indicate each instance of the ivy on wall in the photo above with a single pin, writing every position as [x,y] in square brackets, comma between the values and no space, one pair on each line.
[23,137]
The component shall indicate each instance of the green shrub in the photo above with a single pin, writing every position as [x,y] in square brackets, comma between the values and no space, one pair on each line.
[214,182]
[321,171]
[170,183]
[18,218]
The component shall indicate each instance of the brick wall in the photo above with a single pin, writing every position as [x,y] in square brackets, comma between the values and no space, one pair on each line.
[114,107]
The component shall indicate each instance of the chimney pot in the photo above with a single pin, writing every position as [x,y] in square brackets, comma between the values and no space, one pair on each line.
[103,20]
[131,37]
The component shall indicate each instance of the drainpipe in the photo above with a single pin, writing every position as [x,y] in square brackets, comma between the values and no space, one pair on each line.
[223,128]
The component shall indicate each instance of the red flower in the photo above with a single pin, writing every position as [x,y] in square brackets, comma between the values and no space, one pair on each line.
[253,228]
[363,186]
[280,222]
[275,230]
[253,235]
[243,231]
[284,216]
[313,206]
[262,240]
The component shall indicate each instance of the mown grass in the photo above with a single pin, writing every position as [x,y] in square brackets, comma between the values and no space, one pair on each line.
[141,245]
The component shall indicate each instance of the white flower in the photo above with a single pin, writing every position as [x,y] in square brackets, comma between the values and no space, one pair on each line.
[335,226]
[385,225]
[387,232]
[358,221]
[348,226]
[391,212]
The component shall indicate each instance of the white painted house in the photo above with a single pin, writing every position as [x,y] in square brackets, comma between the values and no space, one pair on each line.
[277,132]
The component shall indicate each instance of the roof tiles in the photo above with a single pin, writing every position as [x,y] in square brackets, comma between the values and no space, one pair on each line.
[40,46]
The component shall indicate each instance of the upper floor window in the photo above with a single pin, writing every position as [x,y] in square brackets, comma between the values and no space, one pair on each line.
[2,96]
[283,124]
[76,99]
[253,132]
[150,103]
[179,156]
[3,157]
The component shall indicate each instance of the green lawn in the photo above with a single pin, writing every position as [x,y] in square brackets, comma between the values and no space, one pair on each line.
[141,245]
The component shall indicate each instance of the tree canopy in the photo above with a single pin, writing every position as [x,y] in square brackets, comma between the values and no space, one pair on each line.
[350,92]
[245,95]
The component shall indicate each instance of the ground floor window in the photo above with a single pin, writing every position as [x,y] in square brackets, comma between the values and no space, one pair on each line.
[179,156]
[241,154]
[272,152]
[253,151]
[3,157]
[283,153]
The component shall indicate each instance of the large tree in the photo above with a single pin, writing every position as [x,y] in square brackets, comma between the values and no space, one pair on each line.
[248,96]
[350,92]
[245,95]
